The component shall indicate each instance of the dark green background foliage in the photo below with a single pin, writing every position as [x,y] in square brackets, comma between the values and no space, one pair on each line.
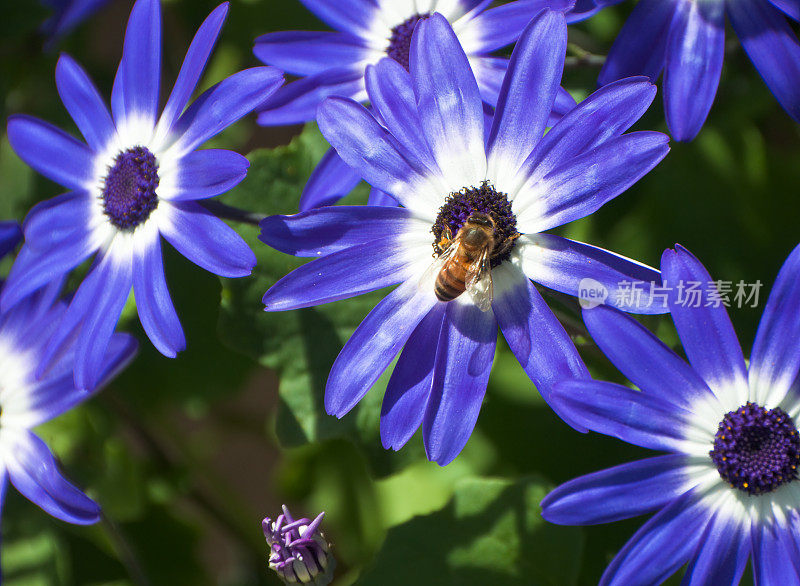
[186,456]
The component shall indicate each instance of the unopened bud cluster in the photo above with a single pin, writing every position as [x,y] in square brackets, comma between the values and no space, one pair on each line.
[299,552]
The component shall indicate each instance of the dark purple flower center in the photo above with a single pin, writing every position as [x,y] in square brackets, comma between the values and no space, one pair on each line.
[400,43]
[458,207]
[756,450]
[129,189]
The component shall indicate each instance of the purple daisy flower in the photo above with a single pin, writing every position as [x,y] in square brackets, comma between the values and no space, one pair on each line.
[727,487]
[28,400]
[334,63]
[68,14]
[137,179]
[686,39]
[434,160]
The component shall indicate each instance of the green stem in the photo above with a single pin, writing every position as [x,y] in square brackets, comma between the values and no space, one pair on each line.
[160,454]
[227,212]
[125,552]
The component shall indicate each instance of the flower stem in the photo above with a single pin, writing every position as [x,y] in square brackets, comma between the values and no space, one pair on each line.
[227,212]
[125,552]
[161,456]
[586,60]
[580,57]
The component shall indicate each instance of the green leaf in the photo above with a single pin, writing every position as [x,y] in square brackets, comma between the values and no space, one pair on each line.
[491,533]
[34,560]
[300,345]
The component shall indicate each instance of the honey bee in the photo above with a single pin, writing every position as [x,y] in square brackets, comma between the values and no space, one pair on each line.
[466,261]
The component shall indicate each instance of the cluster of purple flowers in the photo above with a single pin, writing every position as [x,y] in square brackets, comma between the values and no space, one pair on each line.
[473,160]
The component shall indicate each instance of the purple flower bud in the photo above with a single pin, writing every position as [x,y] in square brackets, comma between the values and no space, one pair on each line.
[299,552]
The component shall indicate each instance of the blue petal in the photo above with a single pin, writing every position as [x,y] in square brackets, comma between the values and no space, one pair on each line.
[297,102]
[772,47]
[772,562]
[774,364]
[706,332]
[476,5]
[207,241]
[354,16]
[97,306]
[330,181]
[722,554]
[632,416]
[535,336]
[3,486]
[327,230]
[528,93]
[391,93]
[10,236]
[56,393]
[35,318]
[51,151]
[587,8]
[564,104]
[695,52]
[225,103]
[193,65]
[68,16]
[661,546]
[342,274]
[207,173]
[617,493]
[582,185]
[136,86]
[503,25]
[450,105]
[604,115]
[34,472]
[409,387]
[153,302]
[461,373]
[59,221]
[643,358]
[368,147]
[791,537]
[32,270]
[309,53]
[789,7]
[489,73]
[640,48]
[31,322]
[373,346]
[84,103]
[570,267]
[378,198]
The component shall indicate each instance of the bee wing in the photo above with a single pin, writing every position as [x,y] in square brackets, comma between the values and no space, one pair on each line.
[432,271]
[479,282]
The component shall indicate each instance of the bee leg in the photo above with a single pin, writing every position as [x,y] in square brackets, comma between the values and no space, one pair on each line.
[444,241]
[507,244]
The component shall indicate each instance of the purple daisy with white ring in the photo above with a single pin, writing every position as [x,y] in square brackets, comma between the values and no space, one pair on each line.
[432,156]
[334,63]
[727,488]
[138,177]
[686,40]
[28,400]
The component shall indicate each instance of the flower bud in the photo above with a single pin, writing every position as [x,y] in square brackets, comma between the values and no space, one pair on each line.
[299,552]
